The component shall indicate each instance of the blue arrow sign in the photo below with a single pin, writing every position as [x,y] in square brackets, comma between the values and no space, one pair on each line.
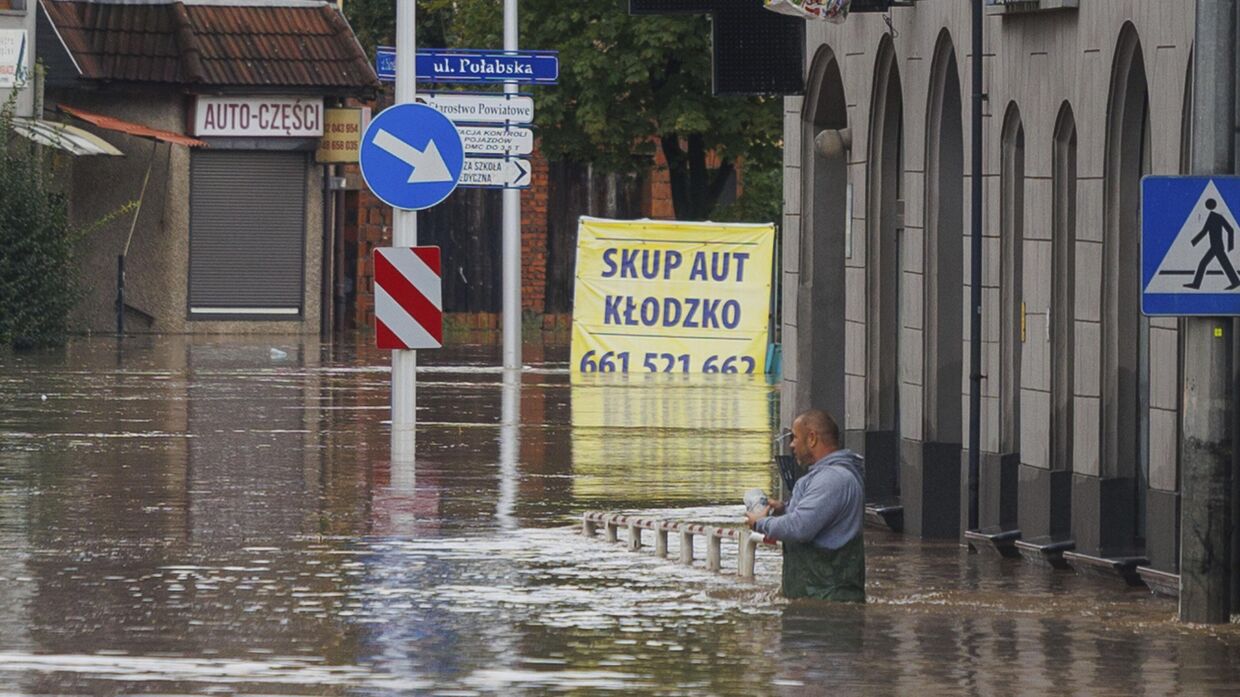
[1189,257]
[411,156]
[475,66]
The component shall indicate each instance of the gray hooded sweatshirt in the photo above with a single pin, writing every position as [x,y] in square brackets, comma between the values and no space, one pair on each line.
[827,505]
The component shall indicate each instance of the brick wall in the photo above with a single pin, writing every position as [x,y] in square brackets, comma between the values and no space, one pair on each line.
[658,198]
[374,229]
[534,237]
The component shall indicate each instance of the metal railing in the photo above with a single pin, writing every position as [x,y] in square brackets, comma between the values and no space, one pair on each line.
[746,542]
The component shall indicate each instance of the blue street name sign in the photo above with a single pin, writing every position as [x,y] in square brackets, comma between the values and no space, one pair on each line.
[475,66]
[1189,237]
[411,156]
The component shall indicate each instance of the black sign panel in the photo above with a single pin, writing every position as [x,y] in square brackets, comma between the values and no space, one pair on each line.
[755,51]
[672,7]
[876,5]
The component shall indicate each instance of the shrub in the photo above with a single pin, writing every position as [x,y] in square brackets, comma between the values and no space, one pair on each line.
[38,269]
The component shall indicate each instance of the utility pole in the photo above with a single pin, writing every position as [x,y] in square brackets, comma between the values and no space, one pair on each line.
[405,234]
[975,289]
[511,247]
[1205,448]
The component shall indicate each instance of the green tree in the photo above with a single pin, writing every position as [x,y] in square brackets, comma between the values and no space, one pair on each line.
[761,200]
[628,85]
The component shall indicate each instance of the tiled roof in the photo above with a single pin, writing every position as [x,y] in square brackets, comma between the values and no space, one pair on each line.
[269,44]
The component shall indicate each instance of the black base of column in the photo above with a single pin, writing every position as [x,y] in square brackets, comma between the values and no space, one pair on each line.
[1044,504]
[882,466]
[1103,516]
[998,488]
[929,489]
[1162,530]
[964,496]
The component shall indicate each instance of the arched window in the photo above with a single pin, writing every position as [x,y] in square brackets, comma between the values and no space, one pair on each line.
[1011,307]
[1063,290]
[1125,332]
[944,296]
[817,369]
[884,279]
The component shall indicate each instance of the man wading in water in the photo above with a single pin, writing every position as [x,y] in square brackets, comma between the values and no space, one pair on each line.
[820,526]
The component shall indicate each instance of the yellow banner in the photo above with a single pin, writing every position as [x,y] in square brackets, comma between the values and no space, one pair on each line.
[671,297]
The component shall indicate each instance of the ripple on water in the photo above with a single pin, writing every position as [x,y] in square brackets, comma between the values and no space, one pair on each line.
[191,517]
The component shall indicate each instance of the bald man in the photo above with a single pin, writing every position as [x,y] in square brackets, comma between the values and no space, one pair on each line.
[820,526]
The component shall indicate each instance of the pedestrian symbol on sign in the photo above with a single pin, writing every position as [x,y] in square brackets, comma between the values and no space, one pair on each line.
[1215,224]
[1188,246]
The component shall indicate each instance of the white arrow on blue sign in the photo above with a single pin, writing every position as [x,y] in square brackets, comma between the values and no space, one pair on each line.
[411,156]
[494,173]
[1189,257]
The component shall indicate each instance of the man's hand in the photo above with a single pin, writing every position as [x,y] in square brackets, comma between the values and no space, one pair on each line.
[752,517]
[776,508]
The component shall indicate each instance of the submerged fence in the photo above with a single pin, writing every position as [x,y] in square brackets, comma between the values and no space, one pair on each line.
[746,542]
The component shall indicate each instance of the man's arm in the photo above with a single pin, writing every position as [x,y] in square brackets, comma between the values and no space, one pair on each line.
[816,508]
[1231,234]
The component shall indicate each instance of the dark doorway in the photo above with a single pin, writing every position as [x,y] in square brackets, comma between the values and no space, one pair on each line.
[818,376]
[884,278]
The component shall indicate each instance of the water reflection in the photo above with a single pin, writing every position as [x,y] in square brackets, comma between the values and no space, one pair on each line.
[210,515]
[509,449]
[666,439]
[253,459]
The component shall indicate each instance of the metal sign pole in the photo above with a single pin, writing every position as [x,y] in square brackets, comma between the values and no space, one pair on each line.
[512,228]
[975,265]
[404,234]
[1206,430]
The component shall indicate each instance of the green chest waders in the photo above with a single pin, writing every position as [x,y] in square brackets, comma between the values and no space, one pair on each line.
[825,574]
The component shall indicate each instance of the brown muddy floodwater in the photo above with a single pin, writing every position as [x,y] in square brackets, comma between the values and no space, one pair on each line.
[218,516]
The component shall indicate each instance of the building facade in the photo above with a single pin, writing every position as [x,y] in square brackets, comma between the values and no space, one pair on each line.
[17,29]
[219,107]
[1080,392]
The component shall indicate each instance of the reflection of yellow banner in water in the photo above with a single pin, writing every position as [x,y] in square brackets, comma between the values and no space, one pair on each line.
[651,438]
[671,297]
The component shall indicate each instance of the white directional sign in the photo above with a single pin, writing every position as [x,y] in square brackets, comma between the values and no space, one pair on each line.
[463,107]
[496,140]
[494,172]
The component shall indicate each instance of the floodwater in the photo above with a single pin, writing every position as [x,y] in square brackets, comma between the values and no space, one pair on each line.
[218,516]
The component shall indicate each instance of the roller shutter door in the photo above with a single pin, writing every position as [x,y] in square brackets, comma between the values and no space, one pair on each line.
[247,234]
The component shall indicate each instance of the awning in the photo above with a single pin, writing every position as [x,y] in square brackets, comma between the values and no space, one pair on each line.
[112,123]
[61,135]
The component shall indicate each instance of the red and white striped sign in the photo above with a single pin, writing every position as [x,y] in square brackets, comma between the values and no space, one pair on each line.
[408,298]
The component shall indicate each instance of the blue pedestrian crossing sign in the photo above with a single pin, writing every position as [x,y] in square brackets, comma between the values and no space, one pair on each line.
[1189,246]
[411,156]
